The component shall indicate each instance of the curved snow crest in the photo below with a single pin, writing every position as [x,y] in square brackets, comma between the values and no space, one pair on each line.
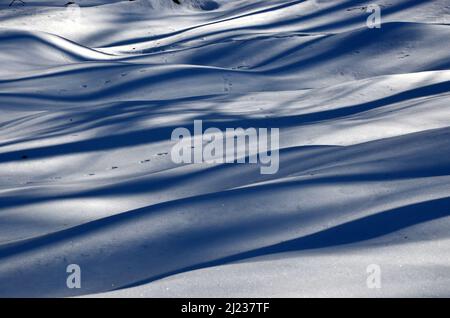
[196,232]
[85,138]
[49,41]
[254,64]
[43,51]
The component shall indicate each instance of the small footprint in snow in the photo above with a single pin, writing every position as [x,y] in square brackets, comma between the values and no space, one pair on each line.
[227,85]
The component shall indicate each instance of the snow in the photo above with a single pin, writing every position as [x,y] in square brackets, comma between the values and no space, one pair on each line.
[90,95]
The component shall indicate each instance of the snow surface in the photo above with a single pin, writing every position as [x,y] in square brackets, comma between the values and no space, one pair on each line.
[89,97]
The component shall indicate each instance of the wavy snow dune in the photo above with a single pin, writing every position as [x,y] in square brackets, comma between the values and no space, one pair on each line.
[89,97]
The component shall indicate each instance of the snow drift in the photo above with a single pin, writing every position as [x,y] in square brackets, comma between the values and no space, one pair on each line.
[86,176]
